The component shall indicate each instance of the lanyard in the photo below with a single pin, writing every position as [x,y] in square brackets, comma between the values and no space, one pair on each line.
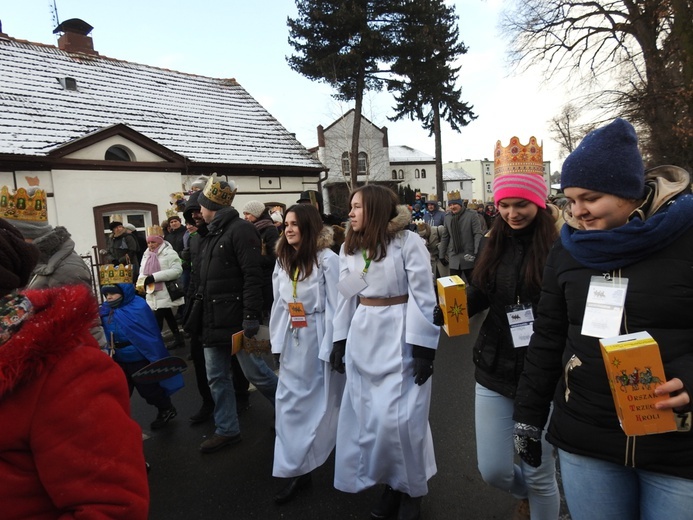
[368,263]
[294,282]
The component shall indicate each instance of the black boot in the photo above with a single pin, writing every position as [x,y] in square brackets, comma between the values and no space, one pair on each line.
[178,341]
[387,505]
[292,489]
[409,508]
[206,412]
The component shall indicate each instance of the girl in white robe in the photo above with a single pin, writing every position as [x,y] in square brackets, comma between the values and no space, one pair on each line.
[385,314]
[309,392]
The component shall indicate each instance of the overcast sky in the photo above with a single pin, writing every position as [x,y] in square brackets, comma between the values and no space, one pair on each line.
[247,40]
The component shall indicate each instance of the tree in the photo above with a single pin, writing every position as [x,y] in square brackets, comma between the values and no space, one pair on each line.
[566,131]
[426,45]
[645,47]
[341,42]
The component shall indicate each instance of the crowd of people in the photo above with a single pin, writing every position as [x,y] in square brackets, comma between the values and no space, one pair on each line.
[341,382]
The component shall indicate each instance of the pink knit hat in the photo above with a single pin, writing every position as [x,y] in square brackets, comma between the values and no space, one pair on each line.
[519,172]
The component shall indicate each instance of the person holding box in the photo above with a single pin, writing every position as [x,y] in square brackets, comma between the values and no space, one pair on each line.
[628,242]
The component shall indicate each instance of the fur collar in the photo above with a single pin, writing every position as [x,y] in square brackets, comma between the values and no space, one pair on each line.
[50,243]
[325,238]
[399,221]
[54,330]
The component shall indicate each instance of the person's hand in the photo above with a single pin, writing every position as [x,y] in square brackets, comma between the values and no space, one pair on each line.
[527,439]
[149,279]
[679,399]
[250,328]
[423,363]
[337,356]
[444,261]
[438,316]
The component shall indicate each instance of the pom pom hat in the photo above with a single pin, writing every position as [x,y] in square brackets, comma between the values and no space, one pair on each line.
[519,172]
[608,161]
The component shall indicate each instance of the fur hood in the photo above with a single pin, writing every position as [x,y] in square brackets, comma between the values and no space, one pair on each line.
[52,242]
[325,238]
[53,330]
[399,221]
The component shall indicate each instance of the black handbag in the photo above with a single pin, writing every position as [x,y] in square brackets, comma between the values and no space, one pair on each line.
[175,289]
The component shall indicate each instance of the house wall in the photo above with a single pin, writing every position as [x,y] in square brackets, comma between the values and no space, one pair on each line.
[97,151]
[426,186]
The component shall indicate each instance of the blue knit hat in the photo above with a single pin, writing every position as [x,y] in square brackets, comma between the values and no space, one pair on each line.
[608,161]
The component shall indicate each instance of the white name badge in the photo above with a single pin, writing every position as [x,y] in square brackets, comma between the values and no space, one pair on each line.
[352,284]
[520,318]
[604,308]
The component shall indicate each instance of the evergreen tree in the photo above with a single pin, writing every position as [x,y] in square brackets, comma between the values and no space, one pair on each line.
[426,45]
[341,42]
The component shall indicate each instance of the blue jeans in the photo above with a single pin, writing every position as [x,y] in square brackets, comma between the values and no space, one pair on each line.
[495,453]
[218,365]
[596,488]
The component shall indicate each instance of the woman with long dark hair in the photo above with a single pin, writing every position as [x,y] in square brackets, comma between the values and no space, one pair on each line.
[385,339]
[507,282]
[308,393]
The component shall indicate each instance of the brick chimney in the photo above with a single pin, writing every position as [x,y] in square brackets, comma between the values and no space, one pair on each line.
[75,37]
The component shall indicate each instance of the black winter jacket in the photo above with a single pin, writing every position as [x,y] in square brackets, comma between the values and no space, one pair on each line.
[230,277]
[659,300]
[498,363]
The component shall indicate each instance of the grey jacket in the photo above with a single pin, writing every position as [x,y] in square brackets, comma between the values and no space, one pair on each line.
[469,238]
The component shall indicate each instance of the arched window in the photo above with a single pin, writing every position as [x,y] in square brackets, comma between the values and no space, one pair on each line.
[363,163]
[423,173]
[400,174]
[118,153]
[394,174]
[416,173]
[346,167]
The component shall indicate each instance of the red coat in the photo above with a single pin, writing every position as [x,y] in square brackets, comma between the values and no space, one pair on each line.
[68,446]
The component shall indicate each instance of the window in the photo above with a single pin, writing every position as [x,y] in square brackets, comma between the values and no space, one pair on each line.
[423,173]
[118,153]
[400,174]
[394,174]
[416,173]
[363,163]
[488,187]
[346,167]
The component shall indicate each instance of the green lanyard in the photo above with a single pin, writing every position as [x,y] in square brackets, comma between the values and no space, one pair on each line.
[368,263]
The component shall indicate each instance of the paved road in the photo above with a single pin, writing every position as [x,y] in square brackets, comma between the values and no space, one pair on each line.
[236,482]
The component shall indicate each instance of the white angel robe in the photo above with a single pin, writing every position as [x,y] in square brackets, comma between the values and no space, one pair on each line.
[383,435]
[308,392]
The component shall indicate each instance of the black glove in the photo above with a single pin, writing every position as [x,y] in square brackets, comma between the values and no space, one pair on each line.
[149,279]
[337,355]
[423,363]
[250,328]
[438,316]
[444,261]
[527,441]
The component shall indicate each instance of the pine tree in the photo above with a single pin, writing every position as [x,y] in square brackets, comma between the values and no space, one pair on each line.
[426,45]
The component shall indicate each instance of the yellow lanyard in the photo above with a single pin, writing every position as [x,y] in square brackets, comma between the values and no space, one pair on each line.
[368,263]
[294,282]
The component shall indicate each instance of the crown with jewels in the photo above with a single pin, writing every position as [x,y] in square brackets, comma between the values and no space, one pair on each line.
[112,274]
[518,157]
[155,230]
[454,195]
[21,205]
[214,192]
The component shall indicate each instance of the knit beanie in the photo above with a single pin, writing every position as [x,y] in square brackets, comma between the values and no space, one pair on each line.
[519,172]
[17,258]
[32,229]
[254,207]
[111,289]
[607,160]
[155,238]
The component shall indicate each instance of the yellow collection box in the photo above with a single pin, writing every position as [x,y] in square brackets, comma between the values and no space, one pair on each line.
[634,367]
[452,298]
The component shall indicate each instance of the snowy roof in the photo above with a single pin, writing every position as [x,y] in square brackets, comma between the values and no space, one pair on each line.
[204,119]
[408,154]
[456,175]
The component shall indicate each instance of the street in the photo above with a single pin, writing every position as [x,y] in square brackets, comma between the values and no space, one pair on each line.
[236,482]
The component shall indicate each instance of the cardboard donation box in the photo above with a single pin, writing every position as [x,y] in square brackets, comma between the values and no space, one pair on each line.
[634,368]
[452,298]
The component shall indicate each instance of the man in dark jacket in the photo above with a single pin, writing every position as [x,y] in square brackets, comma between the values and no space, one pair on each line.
[230,289]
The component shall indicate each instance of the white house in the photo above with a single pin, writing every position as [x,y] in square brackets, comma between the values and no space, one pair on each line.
[104,136]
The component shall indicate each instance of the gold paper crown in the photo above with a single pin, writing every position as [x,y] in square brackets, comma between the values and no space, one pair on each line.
[111,275]
[518,157]
[115,218]
[214,192]
[432,199]
[22,206]
[155,230]
[171,212]
[454,195]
